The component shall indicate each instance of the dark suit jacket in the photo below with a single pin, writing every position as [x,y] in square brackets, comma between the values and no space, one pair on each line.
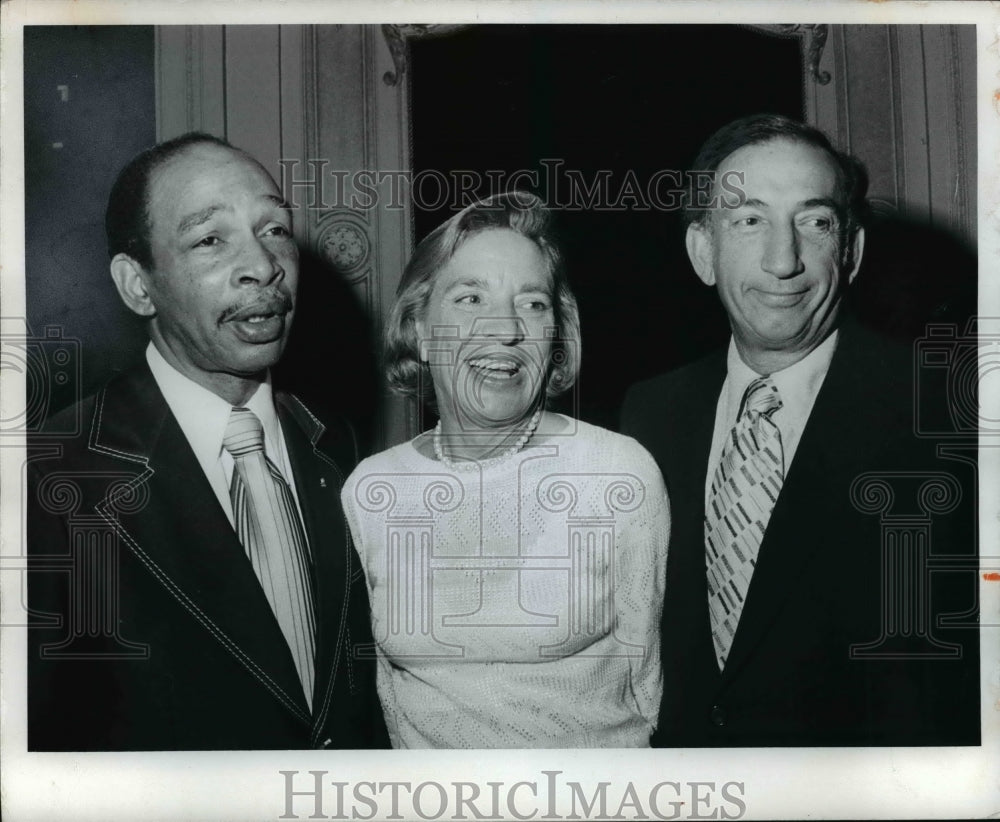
[820,584]
[162,637]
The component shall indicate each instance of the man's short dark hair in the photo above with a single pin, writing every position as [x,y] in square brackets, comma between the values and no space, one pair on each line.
[852,179]
[126,221]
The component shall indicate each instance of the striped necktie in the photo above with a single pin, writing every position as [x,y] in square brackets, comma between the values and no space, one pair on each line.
[268,526]
[744,489]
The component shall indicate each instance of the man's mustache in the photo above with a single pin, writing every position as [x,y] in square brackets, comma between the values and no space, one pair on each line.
[265,303]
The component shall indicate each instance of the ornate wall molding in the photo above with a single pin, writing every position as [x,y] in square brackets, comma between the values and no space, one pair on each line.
[344,242]
[813,37]
[902,99]
[190,80]
[397,37]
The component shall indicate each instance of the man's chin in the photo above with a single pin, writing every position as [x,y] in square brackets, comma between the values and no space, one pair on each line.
[796,341]
[253,359]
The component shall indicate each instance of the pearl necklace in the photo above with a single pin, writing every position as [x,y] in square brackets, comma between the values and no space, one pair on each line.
[470,465]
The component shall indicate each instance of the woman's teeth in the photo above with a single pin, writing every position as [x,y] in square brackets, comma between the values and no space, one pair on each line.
[498,368]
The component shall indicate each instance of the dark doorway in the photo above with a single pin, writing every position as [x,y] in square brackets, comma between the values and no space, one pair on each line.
[606,108]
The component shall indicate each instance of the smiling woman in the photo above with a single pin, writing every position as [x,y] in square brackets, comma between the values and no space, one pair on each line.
[514,556]
[486,339]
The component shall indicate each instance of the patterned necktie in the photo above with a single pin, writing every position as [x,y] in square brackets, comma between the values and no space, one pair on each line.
[268,526]
[744,489]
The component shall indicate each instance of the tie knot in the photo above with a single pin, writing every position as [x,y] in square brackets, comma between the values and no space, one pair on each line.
[761,398]
[244,433]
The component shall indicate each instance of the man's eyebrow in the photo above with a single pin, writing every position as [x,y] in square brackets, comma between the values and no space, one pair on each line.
[822,202]
[190,221]
[280,202]
[815,202]
[197,218]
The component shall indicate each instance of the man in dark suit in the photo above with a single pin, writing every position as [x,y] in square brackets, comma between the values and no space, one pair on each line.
[193,585]
[799,607]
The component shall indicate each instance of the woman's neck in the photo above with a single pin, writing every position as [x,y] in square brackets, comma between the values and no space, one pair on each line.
[459,441]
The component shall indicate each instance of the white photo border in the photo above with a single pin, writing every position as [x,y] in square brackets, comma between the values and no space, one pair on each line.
[774,783]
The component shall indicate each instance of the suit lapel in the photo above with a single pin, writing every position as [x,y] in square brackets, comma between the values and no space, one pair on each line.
[182,535]
[316,458]
[686,619]
[821,463]
[690,451]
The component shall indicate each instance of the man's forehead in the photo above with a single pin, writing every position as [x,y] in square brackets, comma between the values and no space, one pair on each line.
[779,171]
[193,156]
[782,154]
[206,172]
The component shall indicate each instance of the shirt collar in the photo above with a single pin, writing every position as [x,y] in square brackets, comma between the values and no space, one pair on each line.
[203,415]
[797,385]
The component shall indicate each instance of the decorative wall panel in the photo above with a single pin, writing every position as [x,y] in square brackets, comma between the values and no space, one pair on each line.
[309,102]
[903,98]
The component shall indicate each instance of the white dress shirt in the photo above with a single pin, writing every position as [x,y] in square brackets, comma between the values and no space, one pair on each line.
[797,386]
[203,417]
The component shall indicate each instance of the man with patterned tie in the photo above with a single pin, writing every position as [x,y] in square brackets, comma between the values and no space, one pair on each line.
[240,614]
[776,590]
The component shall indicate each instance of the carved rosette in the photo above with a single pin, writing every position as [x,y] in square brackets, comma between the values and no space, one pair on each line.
[343,241]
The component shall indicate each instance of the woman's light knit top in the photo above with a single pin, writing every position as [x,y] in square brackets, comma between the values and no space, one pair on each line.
[516,606]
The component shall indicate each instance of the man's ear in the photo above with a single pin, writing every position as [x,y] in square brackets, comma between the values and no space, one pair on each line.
[130,280]
[854,254]
[698,242]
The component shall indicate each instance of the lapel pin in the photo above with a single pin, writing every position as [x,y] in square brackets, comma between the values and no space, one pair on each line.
[322,482]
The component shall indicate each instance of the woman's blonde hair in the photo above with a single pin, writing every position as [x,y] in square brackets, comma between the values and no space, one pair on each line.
[518,211]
